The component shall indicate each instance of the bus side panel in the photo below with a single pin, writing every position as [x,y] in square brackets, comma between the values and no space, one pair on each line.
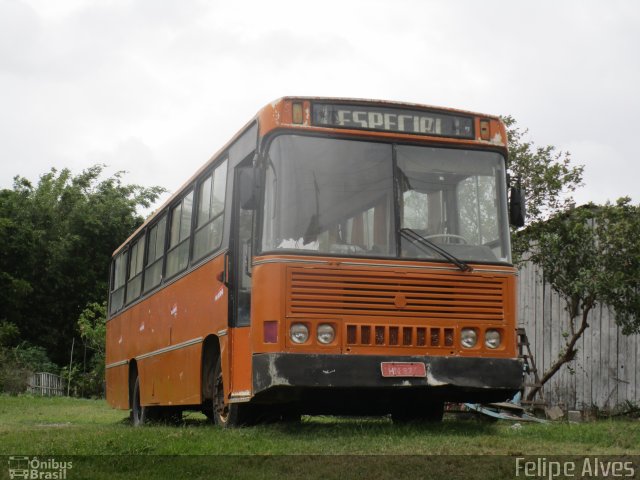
[241,377]
[116,359]
[164,334]
[171,379]
[195,306]
[117,379]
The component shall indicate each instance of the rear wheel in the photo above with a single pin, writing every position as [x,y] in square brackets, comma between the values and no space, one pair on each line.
[143,415]
[139,414]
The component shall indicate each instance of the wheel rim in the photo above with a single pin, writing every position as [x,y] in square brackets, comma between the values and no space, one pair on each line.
[220,409]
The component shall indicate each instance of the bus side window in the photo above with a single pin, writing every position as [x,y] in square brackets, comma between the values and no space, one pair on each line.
[179,233]
[210,220]
[155,254]
[118,282]
[136,257]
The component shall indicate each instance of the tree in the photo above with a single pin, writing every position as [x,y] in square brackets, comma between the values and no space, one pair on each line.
[57,242]
[590,255]
[93,328]
[546,175]
[93,331]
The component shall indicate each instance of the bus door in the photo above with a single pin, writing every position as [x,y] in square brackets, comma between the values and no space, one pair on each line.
[240,276]
[242,225]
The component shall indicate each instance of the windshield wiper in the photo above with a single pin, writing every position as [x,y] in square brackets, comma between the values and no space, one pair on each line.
[421,242]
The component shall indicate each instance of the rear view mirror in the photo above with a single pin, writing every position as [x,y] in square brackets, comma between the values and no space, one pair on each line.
[517,208]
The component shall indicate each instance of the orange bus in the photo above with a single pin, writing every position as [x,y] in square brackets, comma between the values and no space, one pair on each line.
[337,256]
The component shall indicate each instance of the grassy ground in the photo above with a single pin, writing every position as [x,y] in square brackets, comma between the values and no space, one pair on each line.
[63,427]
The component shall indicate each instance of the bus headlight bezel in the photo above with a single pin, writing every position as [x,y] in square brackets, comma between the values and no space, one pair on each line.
[299,333]
[468,337]
[492,338]
[325,333]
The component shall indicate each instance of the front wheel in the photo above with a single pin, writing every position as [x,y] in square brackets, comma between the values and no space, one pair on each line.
[226,415]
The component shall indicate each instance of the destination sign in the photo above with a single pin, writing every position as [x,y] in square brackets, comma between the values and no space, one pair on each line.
[387,119]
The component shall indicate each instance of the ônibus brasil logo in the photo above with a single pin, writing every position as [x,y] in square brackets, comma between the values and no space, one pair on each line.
[38,468]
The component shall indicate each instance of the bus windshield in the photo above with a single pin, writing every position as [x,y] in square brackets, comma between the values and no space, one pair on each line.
[348,197]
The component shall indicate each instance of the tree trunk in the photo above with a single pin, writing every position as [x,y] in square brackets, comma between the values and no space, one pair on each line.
[568,354]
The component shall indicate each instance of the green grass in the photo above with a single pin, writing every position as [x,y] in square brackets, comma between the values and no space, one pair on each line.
[63,427]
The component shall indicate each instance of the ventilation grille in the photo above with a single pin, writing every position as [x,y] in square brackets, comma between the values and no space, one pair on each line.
[441,296]
[399,336]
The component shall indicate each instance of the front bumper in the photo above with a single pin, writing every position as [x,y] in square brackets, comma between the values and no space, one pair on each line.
[450,378]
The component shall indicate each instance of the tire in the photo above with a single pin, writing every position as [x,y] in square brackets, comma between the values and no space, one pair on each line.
[139,414]
[226,415]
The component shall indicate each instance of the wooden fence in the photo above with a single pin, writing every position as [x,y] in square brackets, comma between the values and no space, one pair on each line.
[46,384]
[606,370]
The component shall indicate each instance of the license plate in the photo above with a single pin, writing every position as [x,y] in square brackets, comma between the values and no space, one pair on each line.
[403,369]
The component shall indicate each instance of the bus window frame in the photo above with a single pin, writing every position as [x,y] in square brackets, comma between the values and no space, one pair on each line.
[164,215]
[124,252]
[139,240]
[180,242]
[196,210]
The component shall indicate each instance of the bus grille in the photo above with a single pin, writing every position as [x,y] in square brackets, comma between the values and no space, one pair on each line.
[443,295]
[399,336]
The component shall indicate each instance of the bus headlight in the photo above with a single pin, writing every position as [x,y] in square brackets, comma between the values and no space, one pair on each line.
[299,333]
[492,338]
[326,333]
[468,337]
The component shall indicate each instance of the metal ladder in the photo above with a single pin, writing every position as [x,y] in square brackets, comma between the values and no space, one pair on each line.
[524,352]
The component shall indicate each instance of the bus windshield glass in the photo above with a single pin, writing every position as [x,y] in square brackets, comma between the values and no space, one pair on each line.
[347,197]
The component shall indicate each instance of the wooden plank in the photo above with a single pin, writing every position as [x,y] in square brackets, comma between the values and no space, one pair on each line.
[539,319]
[595,358]
[612,336]
[557,329]
[621,369]
[604,389]
[547,336]
[635,390]
[585,374]
[571,369]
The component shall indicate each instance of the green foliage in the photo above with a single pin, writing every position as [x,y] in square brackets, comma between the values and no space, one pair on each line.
[591,255]
[34,358]
[57,239]
[547,177]
[19,359]
[618,235]
[13,376]
[93,331]
[92,326]
[9,334]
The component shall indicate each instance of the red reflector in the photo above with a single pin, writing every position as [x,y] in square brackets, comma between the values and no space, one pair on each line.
[403,369]
[270,331]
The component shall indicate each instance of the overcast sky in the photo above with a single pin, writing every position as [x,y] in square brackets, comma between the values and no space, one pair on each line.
[155,87]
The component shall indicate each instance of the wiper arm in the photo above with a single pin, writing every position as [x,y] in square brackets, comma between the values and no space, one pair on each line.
[421,242]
